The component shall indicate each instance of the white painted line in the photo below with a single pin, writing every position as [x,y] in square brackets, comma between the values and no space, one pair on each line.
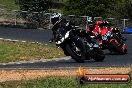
[15,40]
[4,64]
[8,39]
[46,44]
[18,63]
[33,42]
[23,41]
[35,61]
[58,59]
[31,62]
[40,43]
[43,61]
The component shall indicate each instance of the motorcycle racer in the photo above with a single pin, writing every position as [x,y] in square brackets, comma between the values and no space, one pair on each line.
[55,18]
[107,35]
[94,29]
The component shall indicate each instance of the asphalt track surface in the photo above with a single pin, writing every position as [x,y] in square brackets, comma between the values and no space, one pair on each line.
[32,35]
[43,36]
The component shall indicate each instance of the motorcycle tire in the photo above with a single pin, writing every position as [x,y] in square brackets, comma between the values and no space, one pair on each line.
[123,50]
[99,55]
[119,50]
[113,47]
[74,54]
[64,49]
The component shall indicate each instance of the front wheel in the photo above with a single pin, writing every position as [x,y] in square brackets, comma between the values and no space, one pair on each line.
[76,50]
[119,49]
[113,47]
[123,50]
[99,55]
[65,51]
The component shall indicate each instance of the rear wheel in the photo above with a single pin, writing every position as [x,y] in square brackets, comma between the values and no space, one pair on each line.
[76,50]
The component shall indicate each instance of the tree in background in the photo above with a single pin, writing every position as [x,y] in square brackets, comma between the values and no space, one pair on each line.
[123,9]
[35,10]
[33,5]
[104,8]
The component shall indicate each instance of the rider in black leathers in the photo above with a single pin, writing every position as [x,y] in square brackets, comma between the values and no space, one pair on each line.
[55,18]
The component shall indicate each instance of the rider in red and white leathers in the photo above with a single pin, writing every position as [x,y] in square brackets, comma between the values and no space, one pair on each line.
[94,29]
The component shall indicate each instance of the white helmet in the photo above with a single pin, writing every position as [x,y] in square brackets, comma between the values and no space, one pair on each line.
[55,17]
[89,19]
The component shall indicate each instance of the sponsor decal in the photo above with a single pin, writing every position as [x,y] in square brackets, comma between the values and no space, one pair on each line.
[83,77]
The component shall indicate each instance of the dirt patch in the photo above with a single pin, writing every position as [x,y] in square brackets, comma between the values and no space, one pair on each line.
[2,19]
[11,75]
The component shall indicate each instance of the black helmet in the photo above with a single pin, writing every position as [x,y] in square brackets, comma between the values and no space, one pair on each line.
[115,30]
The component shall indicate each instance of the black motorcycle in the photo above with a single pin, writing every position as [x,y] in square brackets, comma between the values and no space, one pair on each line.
[71,43]
[76,43]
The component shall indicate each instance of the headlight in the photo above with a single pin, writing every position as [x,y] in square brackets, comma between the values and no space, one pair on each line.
[104,37]
[108,33]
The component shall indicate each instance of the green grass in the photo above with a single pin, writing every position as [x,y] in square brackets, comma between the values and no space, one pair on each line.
[58,82]
[8,4]
[17,51]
